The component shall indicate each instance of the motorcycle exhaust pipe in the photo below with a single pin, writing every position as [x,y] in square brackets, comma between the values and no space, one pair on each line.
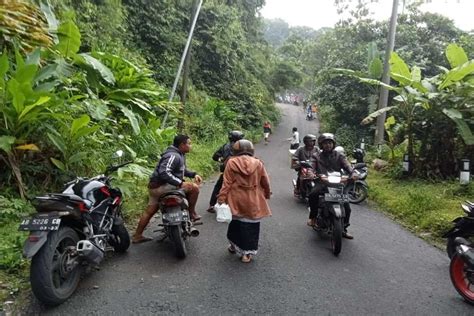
[194,232]
[89,252]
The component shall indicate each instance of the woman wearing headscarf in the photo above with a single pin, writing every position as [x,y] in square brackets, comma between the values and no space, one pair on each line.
[246,188]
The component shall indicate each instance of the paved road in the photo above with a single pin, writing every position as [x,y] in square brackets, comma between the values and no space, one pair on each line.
[384,270]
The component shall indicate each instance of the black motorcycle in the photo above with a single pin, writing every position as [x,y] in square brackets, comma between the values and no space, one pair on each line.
[71,230]
[177,225]
[307,178]
[461,268]
[331,213]
[358,190]
[463,227]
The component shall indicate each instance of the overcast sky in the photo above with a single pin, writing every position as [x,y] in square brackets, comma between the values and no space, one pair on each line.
[320,13]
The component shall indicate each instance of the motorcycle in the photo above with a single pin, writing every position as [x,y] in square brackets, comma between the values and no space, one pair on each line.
[331,212]
[307,178]
[71,230]
[177,225]
[461,268]
[358,190]
[463,227]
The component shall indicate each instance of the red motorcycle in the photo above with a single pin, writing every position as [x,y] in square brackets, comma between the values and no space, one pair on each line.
[461,268]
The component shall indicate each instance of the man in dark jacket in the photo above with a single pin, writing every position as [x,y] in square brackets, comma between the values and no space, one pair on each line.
[328,160]
[222,155]
[168,176]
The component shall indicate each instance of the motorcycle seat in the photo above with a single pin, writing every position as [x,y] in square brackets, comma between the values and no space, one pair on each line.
[179,192]
[61,196]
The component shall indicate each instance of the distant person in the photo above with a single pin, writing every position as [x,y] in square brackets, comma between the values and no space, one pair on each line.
[295,139]
[267,130]
[246,188]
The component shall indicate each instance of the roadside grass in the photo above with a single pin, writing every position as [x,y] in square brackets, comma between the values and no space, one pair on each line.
[423,207]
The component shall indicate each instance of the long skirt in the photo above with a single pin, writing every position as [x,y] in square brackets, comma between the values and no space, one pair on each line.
[244,236]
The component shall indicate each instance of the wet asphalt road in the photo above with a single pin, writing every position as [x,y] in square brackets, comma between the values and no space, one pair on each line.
[385,270]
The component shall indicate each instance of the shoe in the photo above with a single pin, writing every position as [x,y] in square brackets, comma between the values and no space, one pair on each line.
[246,258]
[347,235]
[312,222]
[231,249]
[211,209]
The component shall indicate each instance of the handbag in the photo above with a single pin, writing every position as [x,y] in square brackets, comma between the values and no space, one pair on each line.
[223,213]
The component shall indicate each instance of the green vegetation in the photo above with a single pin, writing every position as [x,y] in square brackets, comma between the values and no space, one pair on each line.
[422,206]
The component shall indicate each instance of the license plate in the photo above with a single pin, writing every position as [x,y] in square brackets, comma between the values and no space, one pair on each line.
[175,216]
[335,197]
[40,223]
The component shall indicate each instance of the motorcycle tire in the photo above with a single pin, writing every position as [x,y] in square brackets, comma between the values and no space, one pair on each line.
[462,281]
[176,236]
[122,238]
[336,236]
[51,285]
[357,193]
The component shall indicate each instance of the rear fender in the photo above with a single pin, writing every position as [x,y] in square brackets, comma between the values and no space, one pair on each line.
[33,244]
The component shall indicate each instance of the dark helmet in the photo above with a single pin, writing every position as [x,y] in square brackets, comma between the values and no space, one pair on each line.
[326,136]
[243,147]
[235,136]
[309,138]
[294,129]
[358,154]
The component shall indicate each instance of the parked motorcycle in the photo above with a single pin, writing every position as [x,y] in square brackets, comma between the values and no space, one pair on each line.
[463,227]
[461,269]
[71,230]
[307,178]
[331,213]
[177,225]
[358,190]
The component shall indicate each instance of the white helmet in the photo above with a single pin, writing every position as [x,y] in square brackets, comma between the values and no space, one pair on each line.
[340,150]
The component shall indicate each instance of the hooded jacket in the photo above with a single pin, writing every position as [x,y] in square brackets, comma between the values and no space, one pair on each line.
[246,187]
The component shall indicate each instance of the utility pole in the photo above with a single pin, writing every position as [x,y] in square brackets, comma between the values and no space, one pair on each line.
[383,99]
[187,62]
[178,74]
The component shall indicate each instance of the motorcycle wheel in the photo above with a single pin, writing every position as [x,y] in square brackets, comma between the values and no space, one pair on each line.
[53,276]
[357,193]
[462,279]
[336,236]
[122,238]
[176,237]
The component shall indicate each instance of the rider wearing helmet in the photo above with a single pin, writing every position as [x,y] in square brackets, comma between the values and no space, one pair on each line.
[222,155]
[304,153]
[358,154]
[328,160]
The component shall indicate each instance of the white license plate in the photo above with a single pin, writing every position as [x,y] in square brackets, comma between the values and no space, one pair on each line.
[40,223]
[175,216]
[330,197]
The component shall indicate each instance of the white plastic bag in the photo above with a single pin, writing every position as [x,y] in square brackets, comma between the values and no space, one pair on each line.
[223,213]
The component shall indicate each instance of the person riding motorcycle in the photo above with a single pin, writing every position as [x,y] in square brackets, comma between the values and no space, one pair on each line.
[304,153]
[222,155]
[328,160]
[168,176]
[358,155]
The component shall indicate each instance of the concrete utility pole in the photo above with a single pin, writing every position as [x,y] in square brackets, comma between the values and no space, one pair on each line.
[185,52]
[383,99]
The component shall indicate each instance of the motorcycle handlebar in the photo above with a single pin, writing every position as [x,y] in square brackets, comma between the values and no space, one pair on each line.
[111,169]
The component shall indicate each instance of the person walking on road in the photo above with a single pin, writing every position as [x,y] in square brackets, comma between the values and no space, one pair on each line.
[222,155]
[295,139]
[246,188]
[267,130]
[168,176]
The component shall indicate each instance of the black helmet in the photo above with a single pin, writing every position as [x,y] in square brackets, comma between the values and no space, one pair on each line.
[309,138]
[235,136]
[243,147]
[326,136]
[358,154]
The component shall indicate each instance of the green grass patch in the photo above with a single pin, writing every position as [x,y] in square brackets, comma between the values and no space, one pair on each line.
[424,207]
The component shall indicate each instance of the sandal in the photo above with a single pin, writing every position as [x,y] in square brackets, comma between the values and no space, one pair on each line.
[246,258]
[140,240]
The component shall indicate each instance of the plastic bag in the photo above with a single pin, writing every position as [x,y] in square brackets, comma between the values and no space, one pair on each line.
[223,213]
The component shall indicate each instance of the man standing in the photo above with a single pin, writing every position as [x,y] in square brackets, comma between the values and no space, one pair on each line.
[168,176]
[267,130]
